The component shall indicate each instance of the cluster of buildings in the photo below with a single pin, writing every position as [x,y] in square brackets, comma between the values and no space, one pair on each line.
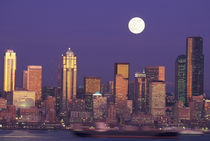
[123,101]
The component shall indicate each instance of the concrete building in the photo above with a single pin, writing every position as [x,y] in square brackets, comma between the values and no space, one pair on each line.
[99,107]
[34,81]
[23,99]
[157,91]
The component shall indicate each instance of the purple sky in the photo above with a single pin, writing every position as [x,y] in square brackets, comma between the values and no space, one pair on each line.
[41,30]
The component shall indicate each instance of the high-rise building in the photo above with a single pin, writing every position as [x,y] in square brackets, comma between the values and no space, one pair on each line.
[69,79]
[140,97]
[50,113]
[155,73]
[180,78]
[195,67]
[99,107]
[121,77]
[34,81]
[92,85]
[9,70]
[25,75]
[157,90]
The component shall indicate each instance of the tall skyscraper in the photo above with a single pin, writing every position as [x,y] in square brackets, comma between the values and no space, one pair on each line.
[180,78]
[69,79]
[153,73]
[92,85]
[9,70]
[195,67]
[34,81]
[25,75]
[121,77]
[157,90]
[140,97]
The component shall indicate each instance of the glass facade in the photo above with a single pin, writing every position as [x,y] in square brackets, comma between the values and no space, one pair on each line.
[180,78]
[195,67]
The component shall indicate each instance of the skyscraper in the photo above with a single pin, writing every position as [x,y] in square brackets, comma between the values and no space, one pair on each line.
[153,73]
[9,70]
[25,74]
[34,81]
[195,67]
[69,79]
[180,78]
[157,90]
[121,77]
[92,85]
[140,97]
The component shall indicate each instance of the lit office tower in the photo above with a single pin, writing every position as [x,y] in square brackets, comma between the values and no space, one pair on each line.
[195,67]
[140,96]
[92,85]
[34,81]
[157,90]
[9,70]
[155,73]
[121,74]
[25,74]
[69,79]
[180,78]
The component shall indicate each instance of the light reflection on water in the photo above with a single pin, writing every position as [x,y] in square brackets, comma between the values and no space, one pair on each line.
[63,135]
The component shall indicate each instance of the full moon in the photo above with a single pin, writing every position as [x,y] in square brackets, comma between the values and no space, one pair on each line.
[136,25]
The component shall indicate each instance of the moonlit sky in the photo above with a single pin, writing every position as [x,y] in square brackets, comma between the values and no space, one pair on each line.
[39,31]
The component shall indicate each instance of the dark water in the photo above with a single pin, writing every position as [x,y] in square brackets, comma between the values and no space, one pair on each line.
[34,135]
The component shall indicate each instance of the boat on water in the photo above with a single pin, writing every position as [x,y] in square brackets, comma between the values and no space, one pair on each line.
[125,134]
[191,132]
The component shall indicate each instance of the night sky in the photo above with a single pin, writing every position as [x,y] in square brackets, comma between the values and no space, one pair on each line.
[40,31]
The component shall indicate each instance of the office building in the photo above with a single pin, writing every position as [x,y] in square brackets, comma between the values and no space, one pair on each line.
[157,90]
[195,67]
[23,99]
[140,97]
[121,77]
[34,81]
[68,79]
[180,78]
[9,71]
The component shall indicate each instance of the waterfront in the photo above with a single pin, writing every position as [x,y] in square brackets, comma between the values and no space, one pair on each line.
[65,135]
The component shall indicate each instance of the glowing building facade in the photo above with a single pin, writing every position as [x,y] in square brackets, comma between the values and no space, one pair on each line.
[69,79]
[9,70]
[92,85]
[195,67]
[23,99]
[121,74]
[140,96]
[157,90]
[34,81]
[180,78]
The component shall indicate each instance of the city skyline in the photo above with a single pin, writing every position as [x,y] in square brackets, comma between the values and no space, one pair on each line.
[164,36]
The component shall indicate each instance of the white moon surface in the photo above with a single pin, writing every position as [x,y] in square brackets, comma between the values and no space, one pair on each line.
[136,25]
